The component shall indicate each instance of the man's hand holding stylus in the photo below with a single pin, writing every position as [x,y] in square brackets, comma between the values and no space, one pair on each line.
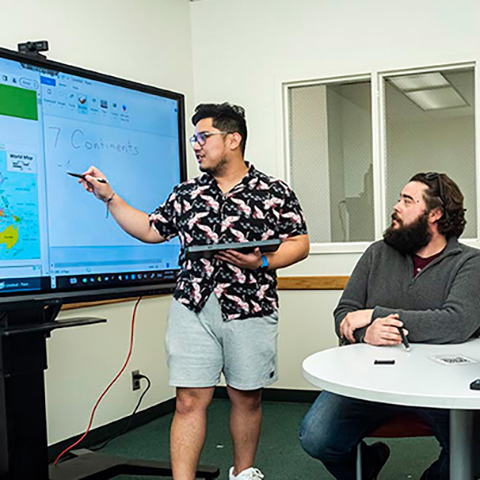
[385,331]
[103,191]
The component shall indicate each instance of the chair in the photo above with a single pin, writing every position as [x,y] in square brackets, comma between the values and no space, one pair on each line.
[403,425]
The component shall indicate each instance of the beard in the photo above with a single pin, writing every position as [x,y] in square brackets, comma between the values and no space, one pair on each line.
[408,239]
[215,170]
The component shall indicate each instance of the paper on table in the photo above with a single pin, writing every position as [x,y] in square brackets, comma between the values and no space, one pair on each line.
[453,359]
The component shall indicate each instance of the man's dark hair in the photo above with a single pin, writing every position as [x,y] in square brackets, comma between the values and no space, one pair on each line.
[225,117]
[444,193]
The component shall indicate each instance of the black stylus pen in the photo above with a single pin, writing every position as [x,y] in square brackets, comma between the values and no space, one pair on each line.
[404,339]
[79,175]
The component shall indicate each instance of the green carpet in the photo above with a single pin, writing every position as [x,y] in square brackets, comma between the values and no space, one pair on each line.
[280,456]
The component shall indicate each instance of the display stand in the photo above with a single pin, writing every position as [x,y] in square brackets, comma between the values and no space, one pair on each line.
[95,466]
[23,425]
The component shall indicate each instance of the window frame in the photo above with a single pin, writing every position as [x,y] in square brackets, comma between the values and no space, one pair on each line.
[379,151]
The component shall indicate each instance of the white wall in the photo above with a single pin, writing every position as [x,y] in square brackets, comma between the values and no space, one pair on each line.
[244,49]
[143,40]
[84,360]
[305,328]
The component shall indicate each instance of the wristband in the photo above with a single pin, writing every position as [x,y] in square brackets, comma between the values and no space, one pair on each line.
[264,265]
[107,203]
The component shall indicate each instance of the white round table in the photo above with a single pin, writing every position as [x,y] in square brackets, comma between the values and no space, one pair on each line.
[416,378]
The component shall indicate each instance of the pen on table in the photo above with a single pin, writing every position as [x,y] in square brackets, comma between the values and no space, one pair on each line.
[404,339]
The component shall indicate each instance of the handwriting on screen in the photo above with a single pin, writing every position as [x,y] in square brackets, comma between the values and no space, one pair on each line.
[79,140]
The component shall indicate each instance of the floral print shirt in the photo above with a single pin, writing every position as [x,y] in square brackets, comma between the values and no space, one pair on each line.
[259,207]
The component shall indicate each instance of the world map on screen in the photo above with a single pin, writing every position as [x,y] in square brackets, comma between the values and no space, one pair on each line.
[19,225]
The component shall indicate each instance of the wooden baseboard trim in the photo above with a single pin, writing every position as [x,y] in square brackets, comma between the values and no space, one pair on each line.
[312,282]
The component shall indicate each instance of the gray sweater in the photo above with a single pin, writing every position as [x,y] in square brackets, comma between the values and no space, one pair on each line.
[441,304]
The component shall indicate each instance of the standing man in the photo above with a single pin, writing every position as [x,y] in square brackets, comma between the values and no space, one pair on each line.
[224,314]
[421,279]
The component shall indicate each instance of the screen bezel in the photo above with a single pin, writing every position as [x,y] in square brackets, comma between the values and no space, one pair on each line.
[101,292]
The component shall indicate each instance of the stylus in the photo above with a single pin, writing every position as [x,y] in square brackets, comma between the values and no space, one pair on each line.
[404,339]
[79,175]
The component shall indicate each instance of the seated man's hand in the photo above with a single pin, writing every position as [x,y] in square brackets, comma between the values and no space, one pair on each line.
[384,331]
[354,320]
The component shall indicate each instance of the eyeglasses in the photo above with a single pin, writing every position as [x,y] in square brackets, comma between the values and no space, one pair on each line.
[430,177]
[201,137]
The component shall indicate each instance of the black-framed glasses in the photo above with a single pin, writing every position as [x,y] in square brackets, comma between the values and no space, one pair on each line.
[201,137]
[430,177]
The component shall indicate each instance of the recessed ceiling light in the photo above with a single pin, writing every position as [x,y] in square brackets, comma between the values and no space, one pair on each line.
[420,81]
[437,98]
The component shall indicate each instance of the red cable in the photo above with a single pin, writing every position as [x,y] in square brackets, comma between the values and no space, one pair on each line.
[107,389]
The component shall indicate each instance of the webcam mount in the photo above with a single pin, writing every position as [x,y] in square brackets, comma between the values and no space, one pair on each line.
[33,48]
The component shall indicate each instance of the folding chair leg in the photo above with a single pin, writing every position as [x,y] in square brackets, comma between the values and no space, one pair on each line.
[359,461]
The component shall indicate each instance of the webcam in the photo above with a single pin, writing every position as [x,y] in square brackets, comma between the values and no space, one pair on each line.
[33,48]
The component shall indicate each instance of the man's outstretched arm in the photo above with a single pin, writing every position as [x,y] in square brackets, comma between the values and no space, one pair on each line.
[134,222]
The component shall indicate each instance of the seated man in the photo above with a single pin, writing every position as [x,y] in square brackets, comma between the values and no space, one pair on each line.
[421,279]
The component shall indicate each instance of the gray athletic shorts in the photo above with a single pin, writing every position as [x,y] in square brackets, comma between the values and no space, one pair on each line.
[202,346]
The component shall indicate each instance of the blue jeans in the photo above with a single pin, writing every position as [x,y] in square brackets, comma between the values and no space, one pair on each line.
[335,425]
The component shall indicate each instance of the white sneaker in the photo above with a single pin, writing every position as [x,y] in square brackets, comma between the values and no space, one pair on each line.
[248,474]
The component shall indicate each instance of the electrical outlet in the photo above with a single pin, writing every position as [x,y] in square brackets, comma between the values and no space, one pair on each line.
[135,379]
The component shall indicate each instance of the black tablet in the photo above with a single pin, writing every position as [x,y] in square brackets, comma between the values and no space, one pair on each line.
[208,251]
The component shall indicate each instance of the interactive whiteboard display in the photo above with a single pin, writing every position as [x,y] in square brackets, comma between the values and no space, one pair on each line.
[54,119]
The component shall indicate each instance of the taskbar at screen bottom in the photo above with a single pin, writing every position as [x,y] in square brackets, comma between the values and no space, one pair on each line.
[108,280]
[27,284]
